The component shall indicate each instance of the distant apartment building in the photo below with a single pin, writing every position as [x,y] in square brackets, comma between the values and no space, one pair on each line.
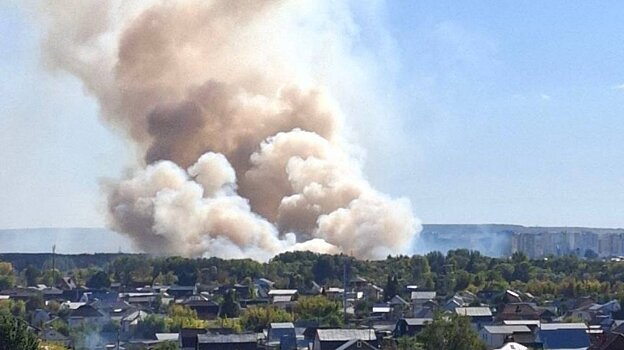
[536,244]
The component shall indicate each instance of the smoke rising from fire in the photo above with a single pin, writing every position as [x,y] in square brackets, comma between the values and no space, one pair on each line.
[242,149]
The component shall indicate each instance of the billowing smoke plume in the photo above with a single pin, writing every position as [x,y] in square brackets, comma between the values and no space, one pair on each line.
[242,149]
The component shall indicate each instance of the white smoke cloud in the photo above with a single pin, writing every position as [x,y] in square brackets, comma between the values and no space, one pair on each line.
[227,91]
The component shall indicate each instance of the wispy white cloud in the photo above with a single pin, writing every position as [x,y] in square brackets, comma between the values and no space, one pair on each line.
[545,97]
[618,87]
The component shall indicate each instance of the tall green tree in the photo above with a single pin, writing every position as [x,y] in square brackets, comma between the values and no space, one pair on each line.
[31,275]
[14,334]
[450,333]
[258,318]
[318,308]
[99,280]
[391,289]
[229,307]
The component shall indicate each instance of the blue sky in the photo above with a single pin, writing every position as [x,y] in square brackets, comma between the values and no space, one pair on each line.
[510,113]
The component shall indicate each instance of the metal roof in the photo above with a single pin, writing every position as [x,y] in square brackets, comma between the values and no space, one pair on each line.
[478,311]
[423,295]
[506,329]
[227,338]
[417,321]
[276,325]
[564,338]
[381,309]
[555,326]
[522,322]
[345,334]
[282,292]
[361,345]
[282,298]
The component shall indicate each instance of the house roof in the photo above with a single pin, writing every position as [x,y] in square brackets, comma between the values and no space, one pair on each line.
[556,326]
[86,311]
[381,308]
[613,341]
[52,335]
[358,279]
[506,329]
[276,325]
[264,281]
[167,336]
[356,343]
[345,334]
[282,292]
[513,346]
[477,311]
[522,322]
[417,321]
[227,338]
[181,288]
[397,300]
[423,295]
[564,338]
[520,309]
[282,298]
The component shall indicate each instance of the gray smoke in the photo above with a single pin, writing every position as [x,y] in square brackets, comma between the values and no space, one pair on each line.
[243,153]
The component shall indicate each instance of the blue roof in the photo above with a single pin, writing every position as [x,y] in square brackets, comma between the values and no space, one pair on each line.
[564,338]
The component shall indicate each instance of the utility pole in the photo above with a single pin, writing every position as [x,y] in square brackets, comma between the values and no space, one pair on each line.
[344,293]
[53,266]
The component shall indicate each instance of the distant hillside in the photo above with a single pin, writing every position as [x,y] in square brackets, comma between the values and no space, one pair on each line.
[67,240]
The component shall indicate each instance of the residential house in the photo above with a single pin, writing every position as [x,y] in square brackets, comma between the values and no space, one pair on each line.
[513,346]
[512,296]
[563,336]
[358,282]
[188,338]
[356,344]
[400,307]
[480,316]
[67,283]
[610,341]
[418,298]
[495,336]
[519,311]
[453,303]
[381,311]
[532,324]
[142,300]
[599,314]
[488,295]
[263,286]
[130,321]
[181,292]
[86,314]
[410,326]
[330,339]
[334,293]
[51,293]
[282,334]
[467,297]
[206,309]
[39,317]
[283,296]
[371,291]
[52,336]
[247,341]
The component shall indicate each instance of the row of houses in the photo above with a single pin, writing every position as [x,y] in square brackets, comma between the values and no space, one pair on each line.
[500,317]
